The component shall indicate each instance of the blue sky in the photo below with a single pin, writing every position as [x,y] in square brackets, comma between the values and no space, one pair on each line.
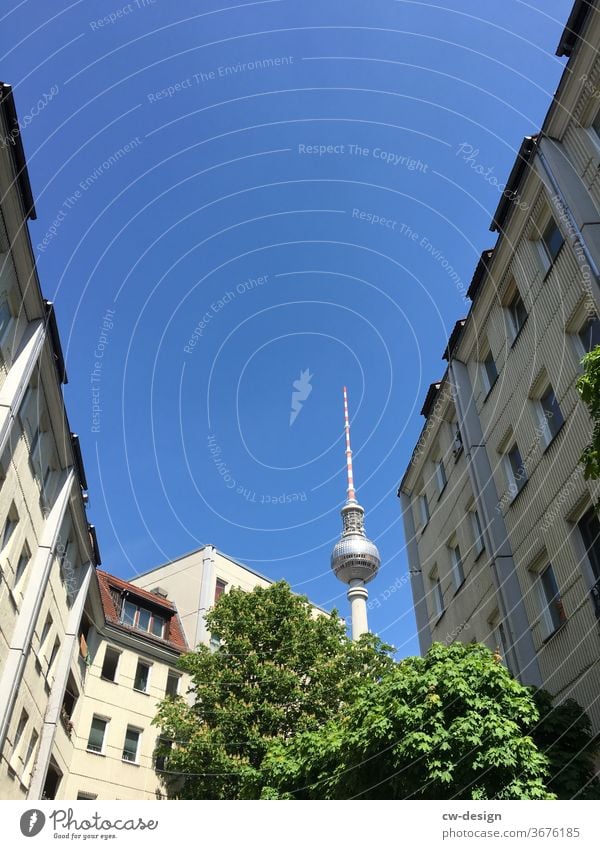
[228,196]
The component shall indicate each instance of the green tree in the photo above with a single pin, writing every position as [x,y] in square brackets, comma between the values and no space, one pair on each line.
[564,734]
[453,724]
[589,389]
[280,670]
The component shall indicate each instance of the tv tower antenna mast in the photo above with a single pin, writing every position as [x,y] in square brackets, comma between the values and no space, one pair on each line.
[354,559]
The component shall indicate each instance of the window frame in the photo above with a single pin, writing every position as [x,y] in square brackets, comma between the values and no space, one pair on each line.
[118,654]
[424,511]
[547,257]
[142,662]
[553,617]
[171,675]
[510,309]
[439,607]
[549,432]
[477,531]
[106,722]
[514,484]
[440,475]
[136,758]
[140,608]
[458,568]
[488,383]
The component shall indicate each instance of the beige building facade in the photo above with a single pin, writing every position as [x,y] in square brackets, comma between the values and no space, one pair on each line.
[502,539]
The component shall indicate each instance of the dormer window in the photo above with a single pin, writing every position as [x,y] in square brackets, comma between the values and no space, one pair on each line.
[143,619]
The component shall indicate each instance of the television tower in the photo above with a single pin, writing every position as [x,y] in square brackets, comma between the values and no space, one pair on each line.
[354,559]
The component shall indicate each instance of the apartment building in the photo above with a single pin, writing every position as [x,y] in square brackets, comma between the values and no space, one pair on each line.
[502,537]
[132,649]
[48,550]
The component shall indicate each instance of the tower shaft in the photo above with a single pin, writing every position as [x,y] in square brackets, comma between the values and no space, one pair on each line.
[354,559]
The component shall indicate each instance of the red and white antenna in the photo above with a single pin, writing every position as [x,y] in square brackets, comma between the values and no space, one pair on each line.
[351,491]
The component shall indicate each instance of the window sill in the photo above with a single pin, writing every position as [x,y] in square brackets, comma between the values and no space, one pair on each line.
[97,754]
[108,680]
[129,763]
[143,692]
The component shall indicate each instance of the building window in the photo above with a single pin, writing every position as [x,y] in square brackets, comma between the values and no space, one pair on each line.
[23,720]
[551,417]
[489,372]
[589,528]
[162,752]
[458,572]
[424,509]
[589,335]
[438,595]
[550,243]
[31,747]
[109,666]
[82,796]
[514,470]
[131,745]
[142,677]
[517,313]
[53,653]
[501,643]
[172,687]
[457,440]
[97,735]
[552,607]
[440,475]
[22,563]
[10,524]
[5,318]
[478,541]
[45,630]
[219,589]
[143,619]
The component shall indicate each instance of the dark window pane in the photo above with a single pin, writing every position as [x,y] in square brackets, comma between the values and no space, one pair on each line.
[96,737]
[589,527]
[552,411]
[552,239]
[140,681]
[158,625]
[590,334]
[518,312]
[131,744]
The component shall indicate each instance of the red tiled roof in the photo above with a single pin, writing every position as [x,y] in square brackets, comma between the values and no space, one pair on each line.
[174,636]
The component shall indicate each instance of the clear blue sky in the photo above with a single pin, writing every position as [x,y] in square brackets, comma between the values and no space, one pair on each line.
[171,165]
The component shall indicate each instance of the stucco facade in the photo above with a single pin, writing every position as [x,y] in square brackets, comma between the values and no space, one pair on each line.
[532,570]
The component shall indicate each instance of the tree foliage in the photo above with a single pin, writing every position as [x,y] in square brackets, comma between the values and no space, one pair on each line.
[288,707]
[564,734]
[279,670]
[453,724]
[588,385]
